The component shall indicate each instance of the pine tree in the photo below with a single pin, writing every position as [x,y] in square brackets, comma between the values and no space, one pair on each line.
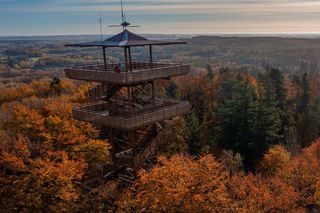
[303,118]
[235,113]
[249,122]
[267,122]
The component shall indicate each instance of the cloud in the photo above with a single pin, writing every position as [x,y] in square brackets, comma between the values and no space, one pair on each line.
[169,15]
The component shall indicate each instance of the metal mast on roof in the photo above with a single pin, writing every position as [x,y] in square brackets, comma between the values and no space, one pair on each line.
[122,14]
[124,24]
[100,21]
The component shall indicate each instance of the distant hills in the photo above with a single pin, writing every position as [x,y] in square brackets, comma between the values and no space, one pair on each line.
[89,37]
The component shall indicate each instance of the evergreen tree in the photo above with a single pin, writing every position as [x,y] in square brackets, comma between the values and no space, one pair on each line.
[277,82]
[274,80]
[267,122]
[303,116]
[235,113]
[172,90]
[249,122]
[194,142]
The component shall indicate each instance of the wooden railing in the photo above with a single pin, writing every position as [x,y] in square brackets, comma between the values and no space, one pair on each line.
[136,65]
[98,113]
[141,72]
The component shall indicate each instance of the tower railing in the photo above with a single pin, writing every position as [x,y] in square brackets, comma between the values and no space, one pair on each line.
[99,113]
[140,72]
[136,65]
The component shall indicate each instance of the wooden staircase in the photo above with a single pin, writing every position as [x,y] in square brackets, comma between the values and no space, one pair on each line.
[141,155]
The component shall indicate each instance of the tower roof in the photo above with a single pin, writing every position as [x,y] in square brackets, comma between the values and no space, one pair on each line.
[125,39]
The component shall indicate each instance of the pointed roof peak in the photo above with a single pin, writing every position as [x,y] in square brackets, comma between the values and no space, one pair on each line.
[126,35]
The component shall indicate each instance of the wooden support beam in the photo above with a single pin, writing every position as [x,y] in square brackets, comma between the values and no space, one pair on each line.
[104,58]
[130,59]
[150,54]
[126,58]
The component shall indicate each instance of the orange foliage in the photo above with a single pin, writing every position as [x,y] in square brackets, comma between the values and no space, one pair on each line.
[12,162]
[46,155]
[49,184]
[274,159]
[317,194]
[44,152]
[180,184]
[256,194]
[303,173]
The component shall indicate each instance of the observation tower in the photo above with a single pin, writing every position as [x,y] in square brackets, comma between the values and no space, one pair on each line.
[125,102]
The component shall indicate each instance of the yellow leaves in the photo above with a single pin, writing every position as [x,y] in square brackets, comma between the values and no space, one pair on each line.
[48,122]
[180,184]
[44,152]
[50,182]
[175,140]
[14,153]
[63,132]
[274,159]
[94,151]
[232,162]
[26,119]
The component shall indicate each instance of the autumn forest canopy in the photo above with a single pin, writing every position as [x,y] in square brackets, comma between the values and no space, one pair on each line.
[250,144]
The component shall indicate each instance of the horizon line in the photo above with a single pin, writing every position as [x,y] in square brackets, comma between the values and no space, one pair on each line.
[197,34]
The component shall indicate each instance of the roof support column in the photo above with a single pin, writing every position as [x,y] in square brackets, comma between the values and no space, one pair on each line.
[104,58]
[150,53]
[126,58]
[130,59]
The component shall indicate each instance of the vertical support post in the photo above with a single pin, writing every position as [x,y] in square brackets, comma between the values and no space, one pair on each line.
[126,58]
[130,59]
[150,54]
[104,58]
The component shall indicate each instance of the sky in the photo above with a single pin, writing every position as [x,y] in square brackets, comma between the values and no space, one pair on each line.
[71,17]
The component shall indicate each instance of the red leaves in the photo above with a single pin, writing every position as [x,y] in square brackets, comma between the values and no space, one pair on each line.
[259,194]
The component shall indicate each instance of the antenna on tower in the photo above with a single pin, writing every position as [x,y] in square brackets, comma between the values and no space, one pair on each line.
[124,23]
[100,21]
[122,13]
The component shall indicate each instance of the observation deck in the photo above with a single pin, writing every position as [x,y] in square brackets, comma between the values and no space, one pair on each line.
[119,73]
[111,115]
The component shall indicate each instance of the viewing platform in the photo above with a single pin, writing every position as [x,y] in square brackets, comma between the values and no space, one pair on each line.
[111,115]
[136,72]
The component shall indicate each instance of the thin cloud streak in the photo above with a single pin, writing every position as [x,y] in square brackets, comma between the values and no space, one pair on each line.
[171,16]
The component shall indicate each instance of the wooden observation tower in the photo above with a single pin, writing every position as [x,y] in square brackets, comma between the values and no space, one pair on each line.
[125,102]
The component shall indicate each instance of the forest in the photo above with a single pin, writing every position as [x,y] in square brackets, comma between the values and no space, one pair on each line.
[251,143]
